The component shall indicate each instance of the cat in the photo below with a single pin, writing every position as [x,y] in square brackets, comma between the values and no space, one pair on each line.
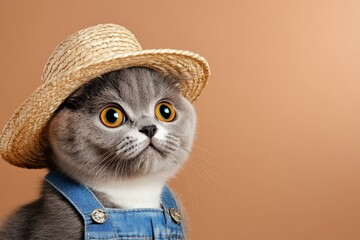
[123,135]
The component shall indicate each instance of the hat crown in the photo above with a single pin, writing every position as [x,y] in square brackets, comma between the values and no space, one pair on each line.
[86,46]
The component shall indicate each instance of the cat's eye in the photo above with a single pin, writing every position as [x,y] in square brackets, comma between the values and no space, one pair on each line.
[112,116]
[165,112]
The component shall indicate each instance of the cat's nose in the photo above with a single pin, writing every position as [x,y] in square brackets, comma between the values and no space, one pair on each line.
[149,130]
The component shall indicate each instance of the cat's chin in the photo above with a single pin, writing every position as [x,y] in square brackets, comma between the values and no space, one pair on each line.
[151,157]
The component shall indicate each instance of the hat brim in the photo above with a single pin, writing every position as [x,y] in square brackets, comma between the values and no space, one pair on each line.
[22,141]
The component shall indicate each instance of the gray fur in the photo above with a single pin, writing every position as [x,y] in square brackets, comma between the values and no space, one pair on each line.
[85,150]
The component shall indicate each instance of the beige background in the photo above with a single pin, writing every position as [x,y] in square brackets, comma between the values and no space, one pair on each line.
[277,153]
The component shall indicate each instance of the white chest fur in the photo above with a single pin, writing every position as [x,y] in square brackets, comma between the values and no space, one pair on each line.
[129,194]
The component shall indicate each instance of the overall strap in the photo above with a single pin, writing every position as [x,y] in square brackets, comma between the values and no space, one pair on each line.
[83,200]
[167,198]
[171,209]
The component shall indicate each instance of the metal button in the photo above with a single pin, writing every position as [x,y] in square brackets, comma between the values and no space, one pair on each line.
[175,215]
[98,215]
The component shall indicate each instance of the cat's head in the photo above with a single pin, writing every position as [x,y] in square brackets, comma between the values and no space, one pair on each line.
[125,124]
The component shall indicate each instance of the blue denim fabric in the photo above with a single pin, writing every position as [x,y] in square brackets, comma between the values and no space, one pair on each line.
[120,223]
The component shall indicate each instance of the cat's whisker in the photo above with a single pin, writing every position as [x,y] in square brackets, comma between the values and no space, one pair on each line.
[198,168]
[117,167]
[198,171]
[104,158]
[214,160]
[203,168]
[204,149]
[190,186]
[108,161]
[124,146]
[209,177]
[171,135]
[199,161]
[173,143]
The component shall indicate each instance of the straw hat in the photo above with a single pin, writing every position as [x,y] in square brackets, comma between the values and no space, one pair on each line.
[83,56]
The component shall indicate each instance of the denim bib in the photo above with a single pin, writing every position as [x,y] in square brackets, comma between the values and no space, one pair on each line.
[109,223]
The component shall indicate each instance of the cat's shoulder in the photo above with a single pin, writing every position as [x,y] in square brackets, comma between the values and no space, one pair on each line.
[49,217]
[19,224]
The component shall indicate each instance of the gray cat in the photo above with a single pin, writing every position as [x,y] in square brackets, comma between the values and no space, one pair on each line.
[122,135]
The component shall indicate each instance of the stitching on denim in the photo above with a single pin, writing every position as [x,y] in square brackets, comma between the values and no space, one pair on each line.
[142,237]
[114,210]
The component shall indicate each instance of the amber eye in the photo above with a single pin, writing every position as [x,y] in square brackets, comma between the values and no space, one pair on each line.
[112,116]
[165,112]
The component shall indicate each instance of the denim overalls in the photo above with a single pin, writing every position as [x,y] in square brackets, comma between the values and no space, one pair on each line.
[108,223]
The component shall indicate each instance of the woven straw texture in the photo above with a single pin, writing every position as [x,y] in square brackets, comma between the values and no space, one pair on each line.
[83,56]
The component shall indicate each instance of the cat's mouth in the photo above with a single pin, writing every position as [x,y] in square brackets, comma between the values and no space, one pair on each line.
[152,148]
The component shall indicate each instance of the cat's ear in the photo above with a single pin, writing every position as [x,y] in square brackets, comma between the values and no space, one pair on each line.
[69,103]
[76,99]
[179,81]
[176,82]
